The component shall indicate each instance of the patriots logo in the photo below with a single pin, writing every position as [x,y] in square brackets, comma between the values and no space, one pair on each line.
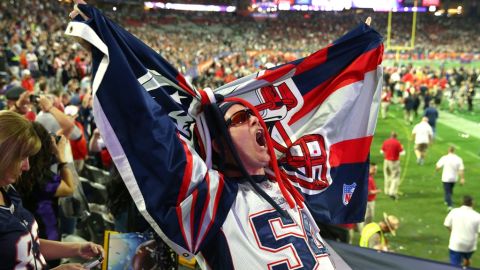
[157,85]
[348,192]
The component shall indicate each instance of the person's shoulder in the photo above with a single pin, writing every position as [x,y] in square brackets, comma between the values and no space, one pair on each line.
[12,193]
[456,157]
[43,117]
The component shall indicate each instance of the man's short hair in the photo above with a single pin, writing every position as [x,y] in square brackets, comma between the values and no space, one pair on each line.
[467,200]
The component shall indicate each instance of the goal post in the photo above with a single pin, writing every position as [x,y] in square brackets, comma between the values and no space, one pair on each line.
[399,48]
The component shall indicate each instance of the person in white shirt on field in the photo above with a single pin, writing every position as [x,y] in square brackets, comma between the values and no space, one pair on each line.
[452,170]
[422,133]
[464,224]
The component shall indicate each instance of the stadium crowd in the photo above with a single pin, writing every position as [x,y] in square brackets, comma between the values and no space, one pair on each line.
[46,77]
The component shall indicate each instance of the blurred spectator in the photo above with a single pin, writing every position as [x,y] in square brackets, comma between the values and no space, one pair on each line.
[391,150]
[422,134]
[452,169]
[79,146]
[386,99]
[40,187]
[470,97]
[431,113]
[372,196]
[96,145]
[18,100]
[55,120]
[373,234]
[18,141]
[464,225]
[28,82]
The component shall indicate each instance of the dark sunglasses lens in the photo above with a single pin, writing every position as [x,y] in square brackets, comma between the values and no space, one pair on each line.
[240,117]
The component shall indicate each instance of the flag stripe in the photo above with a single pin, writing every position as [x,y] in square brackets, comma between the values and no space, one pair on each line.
[353,73]
[348,107]
[350,151]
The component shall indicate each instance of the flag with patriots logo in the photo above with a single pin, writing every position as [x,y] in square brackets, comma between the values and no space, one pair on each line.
[321,113]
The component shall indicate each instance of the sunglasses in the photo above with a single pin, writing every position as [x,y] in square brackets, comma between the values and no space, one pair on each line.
[239,117]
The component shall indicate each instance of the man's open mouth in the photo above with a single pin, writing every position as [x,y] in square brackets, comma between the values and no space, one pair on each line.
[260,137]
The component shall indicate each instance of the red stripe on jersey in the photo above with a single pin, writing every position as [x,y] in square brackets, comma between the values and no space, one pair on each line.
[183,84]
[204,210]
[350,151]
[187,176]
[192,217]
[215,206]
[353,73]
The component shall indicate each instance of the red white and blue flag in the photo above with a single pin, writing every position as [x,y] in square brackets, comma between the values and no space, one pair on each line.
[321,112]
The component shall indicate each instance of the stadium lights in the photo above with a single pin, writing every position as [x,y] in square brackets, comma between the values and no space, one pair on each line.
[284,6]
[189,7]
[439,12]
[149,5]
[455,11]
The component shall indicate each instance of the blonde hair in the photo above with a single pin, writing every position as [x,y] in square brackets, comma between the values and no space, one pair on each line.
[18,140]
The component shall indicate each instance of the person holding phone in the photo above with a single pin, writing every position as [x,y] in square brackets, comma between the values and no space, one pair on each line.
[40,187]
[21,245]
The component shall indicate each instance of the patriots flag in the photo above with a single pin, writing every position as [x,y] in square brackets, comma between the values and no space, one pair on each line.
[321,113]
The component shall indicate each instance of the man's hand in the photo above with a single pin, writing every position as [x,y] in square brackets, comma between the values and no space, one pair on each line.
[59,148]
[89,250]
[45,103]
[368,21]
[76,11]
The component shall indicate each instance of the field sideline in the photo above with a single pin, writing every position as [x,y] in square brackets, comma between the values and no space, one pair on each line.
[421,208]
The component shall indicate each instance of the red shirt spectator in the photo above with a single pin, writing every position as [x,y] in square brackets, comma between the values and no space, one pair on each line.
[371,186]
[386,96]
[408,77]
[28,83]
[79,147]
[392,148]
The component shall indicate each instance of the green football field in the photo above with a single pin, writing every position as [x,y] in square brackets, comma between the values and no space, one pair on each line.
[421,208]
[448,64]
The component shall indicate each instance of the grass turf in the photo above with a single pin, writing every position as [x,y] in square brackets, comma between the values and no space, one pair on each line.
[421,208]
[448,64]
